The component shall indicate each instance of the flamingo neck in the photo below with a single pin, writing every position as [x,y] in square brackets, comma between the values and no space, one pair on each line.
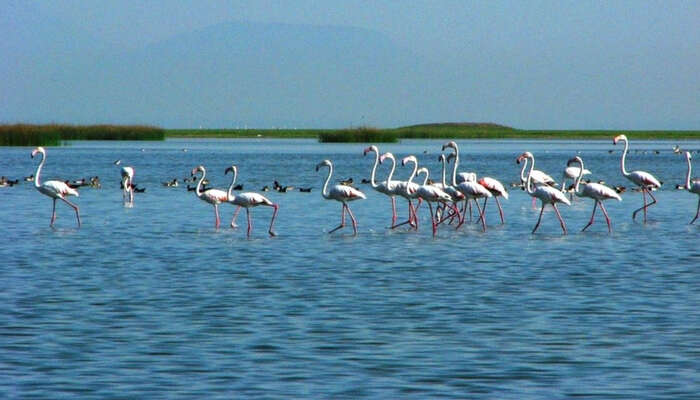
[198,190]
[622,160]
[374,170]
[324,193]
[427,173]
[523,178]
[391,173]
[687,176]
[578,178]
[528,185]
[229,194]
[444,168]
[413,174]
[38,170]
[454,167]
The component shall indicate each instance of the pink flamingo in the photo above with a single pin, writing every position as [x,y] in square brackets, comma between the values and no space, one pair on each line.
[211,196]
[384,186]
[692,186]
[54,189]
[595,191]
[644,180]
[571,173]
[400,188]
[546,194]
[455,194]
[408,190]
[341,193]
[497,190]
[248,200]
[127,174]
[430,194]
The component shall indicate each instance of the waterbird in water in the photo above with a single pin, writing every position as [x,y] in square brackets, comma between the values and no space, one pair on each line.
[127,174]
[646,181]
[595,191]
[692,186]
[211,196]
[430,194]
[248,200]
[341,193]
[54,189]
[546,194]
[383,186]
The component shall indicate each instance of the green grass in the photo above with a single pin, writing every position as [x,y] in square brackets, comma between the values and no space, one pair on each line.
[55,134]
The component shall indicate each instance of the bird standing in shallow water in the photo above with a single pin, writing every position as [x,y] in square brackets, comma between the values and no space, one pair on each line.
[646,181]
[341,193]
[211,196]
[546,194]
[248,200]
[54,189]
[595,191]
[692,186]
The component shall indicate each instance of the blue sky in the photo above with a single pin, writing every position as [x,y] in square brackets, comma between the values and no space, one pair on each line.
[535,64]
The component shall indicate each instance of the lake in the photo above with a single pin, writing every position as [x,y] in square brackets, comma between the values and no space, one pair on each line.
[152,302]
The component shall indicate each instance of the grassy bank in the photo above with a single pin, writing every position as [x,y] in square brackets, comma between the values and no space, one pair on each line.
[431,131]
[55,134]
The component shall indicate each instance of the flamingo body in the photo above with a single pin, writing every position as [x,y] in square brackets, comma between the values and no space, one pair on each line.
[342,193]
[646,181]
[595,191]
[57,190]
[248,200]
[546,194]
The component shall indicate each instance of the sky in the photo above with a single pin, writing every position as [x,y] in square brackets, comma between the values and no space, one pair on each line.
[335,64]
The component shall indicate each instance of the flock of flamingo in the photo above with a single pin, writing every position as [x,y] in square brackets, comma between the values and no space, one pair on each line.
[463,188]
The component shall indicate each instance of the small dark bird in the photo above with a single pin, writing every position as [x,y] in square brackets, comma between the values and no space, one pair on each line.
[366,181]
[265,188]
[305,190]
[347,182]
[29,178]
[238,187]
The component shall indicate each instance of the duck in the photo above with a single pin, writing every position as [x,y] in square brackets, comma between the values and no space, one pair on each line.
[238,187]
[29,178]
[347,182]
[366,181]
[172,183]
[619,189]
[305,190]
[265,188]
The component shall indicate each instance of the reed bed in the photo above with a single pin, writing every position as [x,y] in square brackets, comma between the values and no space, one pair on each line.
[55,134]
[359,135]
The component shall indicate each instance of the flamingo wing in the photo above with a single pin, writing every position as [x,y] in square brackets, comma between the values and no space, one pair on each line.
[549,194]
[600,192]
[251,199]
[346,193]
[493,185]
[58,189]
[646,179]
[214,196]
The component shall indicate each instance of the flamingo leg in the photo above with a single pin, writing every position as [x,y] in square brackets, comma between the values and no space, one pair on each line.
[409,220]
[216,213]
[432,220]
[75,207]
[500,211]
[481,214]
[561,221]
[537,225]
[342,220]
[250,224]
[272,221]
[235,214]
[352,218]
[595,206]
[53,213]
[131,192]
[696,212]
[607,218]
[393,211]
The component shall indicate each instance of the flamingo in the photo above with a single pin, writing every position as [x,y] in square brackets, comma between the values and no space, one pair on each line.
[692,186]
[459,177]
[54,189]
[211,196]
[571,172]
[497,190]
[127,182]
[384,186]
[408,190]
[248,200]
[455,194]
[595,191]
[431,193]
[399,188]
[473,191]
[644,180]
[341,193]
[546,194]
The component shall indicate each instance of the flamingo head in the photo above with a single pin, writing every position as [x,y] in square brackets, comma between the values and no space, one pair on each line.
[618,138]
[576,159]
[687,155]
[442,158]
[370,148]
[232,168]
[385,156]
[197,169]
[450,144]
[38,150]
[523,156]
[409,159]
[324,163]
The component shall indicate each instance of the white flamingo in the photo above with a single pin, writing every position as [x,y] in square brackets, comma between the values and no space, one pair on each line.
[474,191]
[384,186]
[595,191]
[399,188]
[54,189]
[341,193]
[248,200]
[455,194]
[546,194]
[407,189]
[646,181]
[692,186]
[497,190]
[211,196]
[127,174]
[430,194]
[571,172]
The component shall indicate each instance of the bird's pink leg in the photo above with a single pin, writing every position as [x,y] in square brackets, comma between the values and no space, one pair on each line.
[393,211]
[650,204]
[432,220]
[53,213]
[410,215]
[342,219]
[561,221]
[216,213]
[607,218]
[595,206]
[500,211]
[644,207]
[696,213]
[537,225]
[235,215]
[272,221]
[481,214]
[250,224]
[354,222]
[75,207]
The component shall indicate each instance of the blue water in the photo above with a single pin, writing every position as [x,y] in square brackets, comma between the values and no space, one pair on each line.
[153,302]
